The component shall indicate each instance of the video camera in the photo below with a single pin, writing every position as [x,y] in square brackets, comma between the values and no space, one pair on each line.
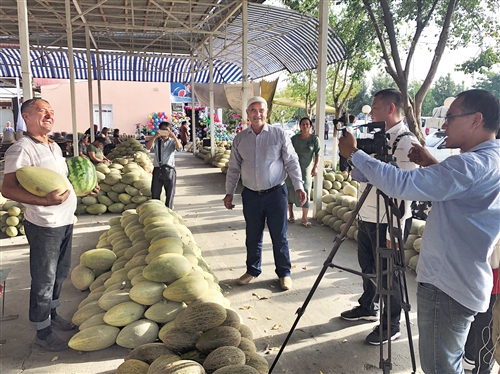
[379,145]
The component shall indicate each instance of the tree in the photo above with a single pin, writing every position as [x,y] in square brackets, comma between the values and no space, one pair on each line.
[381,82]
[399,25]
[445,87]
[490,82]
[362,98]
[344,79]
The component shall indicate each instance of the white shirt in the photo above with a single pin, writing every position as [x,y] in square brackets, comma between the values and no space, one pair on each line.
[368,211]
[262,160]
[29,152]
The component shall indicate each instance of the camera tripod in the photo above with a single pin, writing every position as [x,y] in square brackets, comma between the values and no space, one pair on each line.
[389,264]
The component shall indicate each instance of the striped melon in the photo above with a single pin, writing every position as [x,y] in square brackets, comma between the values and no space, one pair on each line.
[82,175]
[180,341]
[183,367]
[220,336]
[201,317]
[237,369]
[41,181]
[223,356]
[132,367]
[149,352]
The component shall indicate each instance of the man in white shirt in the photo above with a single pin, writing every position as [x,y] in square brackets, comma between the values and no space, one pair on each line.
[387,107]
[48,221]
[263,155]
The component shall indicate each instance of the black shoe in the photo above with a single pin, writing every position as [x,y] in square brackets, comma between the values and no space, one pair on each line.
[52,343]
[374,337]
[357,313]
[61,324]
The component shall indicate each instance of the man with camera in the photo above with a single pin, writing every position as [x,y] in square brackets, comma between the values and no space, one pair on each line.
[453,274]
[387,107]
[164,144]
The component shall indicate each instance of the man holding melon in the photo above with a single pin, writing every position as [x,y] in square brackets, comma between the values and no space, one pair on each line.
[263,155]
[36,175]
[453,274]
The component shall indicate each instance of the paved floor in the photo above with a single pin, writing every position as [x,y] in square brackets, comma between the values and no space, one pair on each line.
[321,343]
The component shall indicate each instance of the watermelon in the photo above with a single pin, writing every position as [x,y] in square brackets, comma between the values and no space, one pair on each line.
[82,175]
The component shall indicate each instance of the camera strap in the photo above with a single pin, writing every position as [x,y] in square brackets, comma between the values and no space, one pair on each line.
[159,150]
[398,138]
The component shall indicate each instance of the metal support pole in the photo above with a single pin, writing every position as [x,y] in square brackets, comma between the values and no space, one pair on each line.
[89,78]
[244,62]
[22,16]
[320,101]
[71,66]
[212,103]
[99,90]
[193,121]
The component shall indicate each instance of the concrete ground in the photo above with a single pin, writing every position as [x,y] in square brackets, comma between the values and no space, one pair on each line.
[322,341]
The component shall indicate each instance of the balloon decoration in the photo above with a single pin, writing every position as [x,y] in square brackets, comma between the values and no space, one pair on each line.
[153,124]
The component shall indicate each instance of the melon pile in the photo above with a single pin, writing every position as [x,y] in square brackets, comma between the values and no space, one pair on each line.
[124,184]
[340,199]
[219,160]
[12,217]
[412,244]
[133,149]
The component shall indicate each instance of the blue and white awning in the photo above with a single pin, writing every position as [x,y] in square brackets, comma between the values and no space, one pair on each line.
[120,67]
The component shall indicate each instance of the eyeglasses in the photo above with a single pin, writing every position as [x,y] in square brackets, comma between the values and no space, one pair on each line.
[449,118]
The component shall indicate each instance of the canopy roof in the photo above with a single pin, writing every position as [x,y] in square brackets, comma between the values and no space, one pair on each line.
[151,40]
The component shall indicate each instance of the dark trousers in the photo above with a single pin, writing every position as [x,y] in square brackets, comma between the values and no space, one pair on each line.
[367,246]
[50,262]
[343,164]
[256,210]
[157,184]
[326,135]
[479,346]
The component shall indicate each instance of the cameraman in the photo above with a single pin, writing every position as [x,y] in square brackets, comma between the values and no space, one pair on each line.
[453,274]
[387,107]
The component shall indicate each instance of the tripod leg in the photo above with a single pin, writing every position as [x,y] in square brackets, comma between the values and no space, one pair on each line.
[336,245]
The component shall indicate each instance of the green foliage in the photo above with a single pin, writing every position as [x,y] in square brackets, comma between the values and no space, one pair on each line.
[490,82]
[381,81]
[445,87]
[360,99]
[229,118]
[481,63]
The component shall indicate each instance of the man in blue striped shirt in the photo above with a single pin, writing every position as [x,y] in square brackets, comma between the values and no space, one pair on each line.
[263,155]
[453,273]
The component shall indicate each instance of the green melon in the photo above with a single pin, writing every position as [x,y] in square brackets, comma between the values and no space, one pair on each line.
[149,352]
[96,209]
[124,313]
[82,277]
[256,361]
[188,288]
[137,333]
[98,259]
[113,298]
[94,338]
[41,181]
[147,293]
[86,312]
[237,369]
[164,311]
[167,268]
[93,296]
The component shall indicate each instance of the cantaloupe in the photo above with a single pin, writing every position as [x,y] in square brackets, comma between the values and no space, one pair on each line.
[148,352]
[132,367]
[188,288]
[223,356]
[179,341]
[147,292]
[167,268]
[201,317]
[216,337]
[124,313]
[82,277]
[164,311]
[98,259]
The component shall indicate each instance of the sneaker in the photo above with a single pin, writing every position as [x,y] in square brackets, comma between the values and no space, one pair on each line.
[357,313]
[468,364]
[374,337]
[52,343]
[60,323]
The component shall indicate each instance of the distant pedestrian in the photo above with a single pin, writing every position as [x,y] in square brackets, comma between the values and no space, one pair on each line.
[184,134]
[327,129]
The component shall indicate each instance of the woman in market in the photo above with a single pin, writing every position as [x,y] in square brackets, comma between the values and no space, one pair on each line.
[307,147]
[83,143]
[95,151]
[116,137]
[184,134]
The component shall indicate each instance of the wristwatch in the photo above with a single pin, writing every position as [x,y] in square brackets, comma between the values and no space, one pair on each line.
[349,160]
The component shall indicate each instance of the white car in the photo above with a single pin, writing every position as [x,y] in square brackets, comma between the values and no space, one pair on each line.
[436,145]
[286,128]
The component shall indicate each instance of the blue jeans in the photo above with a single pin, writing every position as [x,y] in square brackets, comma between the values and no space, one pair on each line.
[50,262]
[256,210]
[443,325]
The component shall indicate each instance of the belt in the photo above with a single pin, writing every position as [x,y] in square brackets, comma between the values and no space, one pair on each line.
[265,192]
